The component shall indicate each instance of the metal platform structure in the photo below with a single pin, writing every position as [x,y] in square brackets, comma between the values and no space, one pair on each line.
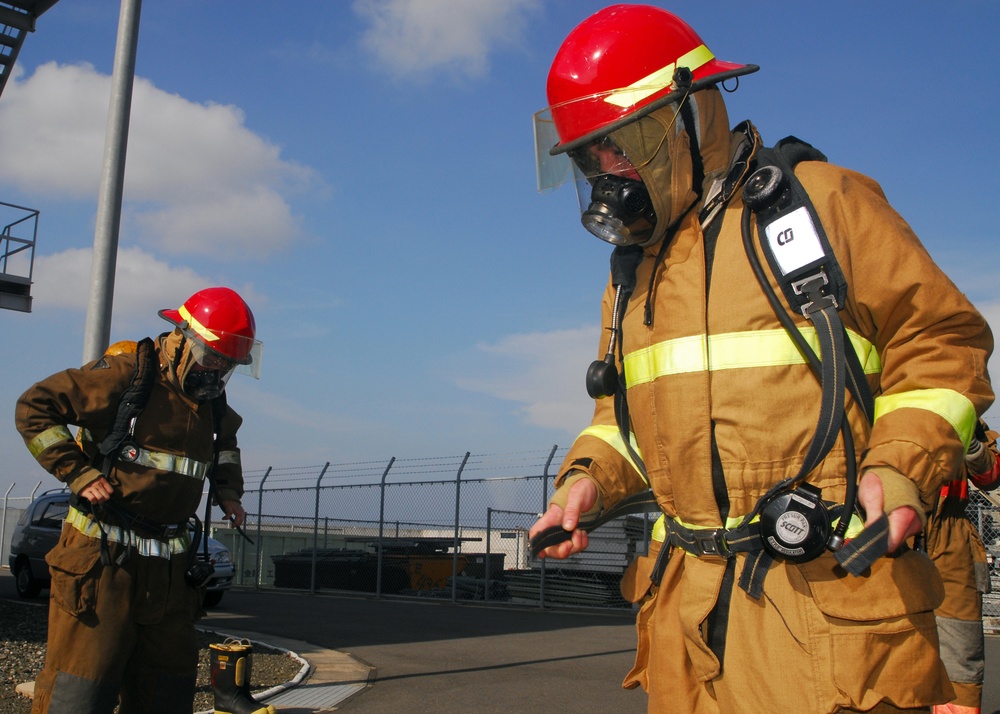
[17,19]
[19,225]
[17,255]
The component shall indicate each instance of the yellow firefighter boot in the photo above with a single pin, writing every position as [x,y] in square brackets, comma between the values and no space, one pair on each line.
[231,668]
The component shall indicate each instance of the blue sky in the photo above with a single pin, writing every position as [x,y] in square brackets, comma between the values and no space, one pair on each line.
[363,173]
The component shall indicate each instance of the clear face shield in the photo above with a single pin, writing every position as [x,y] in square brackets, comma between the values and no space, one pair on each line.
[211,370]
[615,204]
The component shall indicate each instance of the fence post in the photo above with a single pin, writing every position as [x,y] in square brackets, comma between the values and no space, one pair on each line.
[312,577]
[457,541]
[489,537]
[3,521]
[259,555]
[381,529]
[545,507]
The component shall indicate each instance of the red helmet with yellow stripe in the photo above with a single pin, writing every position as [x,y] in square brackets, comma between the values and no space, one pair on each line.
[220,320]
[621,63]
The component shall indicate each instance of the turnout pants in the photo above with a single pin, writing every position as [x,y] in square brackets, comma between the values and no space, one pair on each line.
[119,630]
[957,550]
[817,641]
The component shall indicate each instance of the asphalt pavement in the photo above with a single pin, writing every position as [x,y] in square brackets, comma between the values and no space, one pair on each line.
[417,656]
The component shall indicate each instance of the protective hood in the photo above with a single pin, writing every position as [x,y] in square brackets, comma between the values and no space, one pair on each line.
[176,360]
[659,145]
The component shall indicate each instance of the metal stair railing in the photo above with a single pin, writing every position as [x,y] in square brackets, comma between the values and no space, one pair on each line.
[17,18]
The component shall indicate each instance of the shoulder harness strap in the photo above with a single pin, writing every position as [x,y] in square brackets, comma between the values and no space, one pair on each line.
[132,402]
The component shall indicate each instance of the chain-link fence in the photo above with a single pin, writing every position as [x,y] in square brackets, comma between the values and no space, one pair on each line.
[449,527]
[984,513]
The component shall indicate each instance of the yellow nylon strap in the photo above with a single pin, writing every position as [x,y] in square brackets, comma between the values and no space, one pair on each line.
[732,350]
[954,408]
[202,331]
[659,79]
[47,438]
[611,436]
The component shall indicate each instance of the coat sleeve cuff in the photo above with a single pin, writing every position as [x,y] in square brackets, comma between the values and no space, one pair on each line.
[898,491]
[228,494]
[561,495]
[83,479]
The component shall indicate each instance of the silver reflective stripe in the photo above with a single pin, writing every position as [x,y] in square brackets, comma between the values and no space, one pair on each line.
[149,547]
[47,438]
[172,462]
[229,457]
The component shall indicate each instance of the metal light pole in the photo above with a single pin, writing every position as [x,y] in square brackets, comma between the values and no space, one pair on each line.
[97,333]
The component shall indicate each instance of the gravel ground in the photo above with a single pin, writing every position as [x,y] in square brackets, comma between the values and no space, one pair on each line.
[23,628]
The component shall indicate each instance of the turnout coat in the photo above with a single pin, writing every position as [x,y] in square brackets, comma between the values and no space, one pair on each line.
[122,614]
[715,370]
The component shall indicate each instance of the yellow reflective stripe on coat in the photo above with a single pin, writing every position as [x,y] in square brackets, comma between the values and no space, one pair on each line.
[733,350]
[47,438]
[611,436]
[171,462]
[954,408]
[149,547]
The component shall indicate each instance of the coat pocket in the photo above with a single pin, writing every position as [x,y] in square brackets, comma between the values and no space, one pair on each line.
[636,583]
[880,630]
[979,564]
[76,572]
[639,677]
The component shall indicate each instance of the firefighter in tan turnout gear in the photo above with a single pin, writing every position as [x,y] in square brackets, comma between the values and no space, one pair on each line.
[782,368]
[955,546]
[125,580]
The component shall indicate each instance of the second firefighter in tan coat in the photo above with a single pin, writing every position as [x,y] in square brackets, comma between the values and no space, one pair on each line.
[723,405]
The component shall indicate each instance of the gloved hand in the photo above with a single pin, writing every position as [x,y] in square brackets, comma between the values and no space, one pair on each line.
[577,496]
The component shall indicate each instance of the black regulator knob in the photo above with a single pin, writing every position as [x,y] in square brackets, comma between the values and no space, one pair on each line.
[796,525]
[763,187]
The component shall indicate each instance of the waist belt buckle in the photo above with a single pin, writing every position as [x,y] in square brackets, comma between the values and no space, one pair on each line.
[171,530]
[712,543]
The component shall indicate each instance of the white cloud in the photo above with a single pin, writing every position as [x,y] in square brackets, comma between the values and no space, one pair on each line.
[196,180]
[542,371]
[410,37]
[143,285]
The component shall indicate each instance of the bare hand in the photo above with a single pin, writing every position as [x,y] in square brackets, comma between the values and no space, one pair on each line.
[582,497]
[234,512]
[98,491]
[903,521]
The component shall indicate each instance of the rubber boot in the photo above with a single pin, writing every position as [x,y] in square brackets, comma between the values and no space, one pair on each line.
[231,668]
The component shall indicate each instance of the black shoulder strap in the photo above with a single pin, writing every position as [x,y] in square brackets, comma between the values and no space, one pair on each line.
[807,272]
[133,399]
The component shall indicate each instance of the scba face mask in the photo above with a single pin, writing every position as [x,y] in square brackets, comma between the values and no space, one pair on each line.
[615,203]
[205,385]
[620,211]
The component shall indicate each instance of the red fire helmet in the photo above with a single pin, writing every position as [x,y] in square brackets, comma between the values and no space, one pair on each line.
[622,63]
[219,319]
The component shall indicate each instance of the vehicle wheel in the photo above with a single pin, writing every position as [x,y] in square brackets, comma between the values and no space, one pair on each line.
[213,598]
[27,586]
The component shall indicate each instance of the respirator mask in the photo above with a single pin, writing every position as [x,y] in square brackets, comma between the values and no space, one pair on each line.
[614,203]
[620,211]
[208,373]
